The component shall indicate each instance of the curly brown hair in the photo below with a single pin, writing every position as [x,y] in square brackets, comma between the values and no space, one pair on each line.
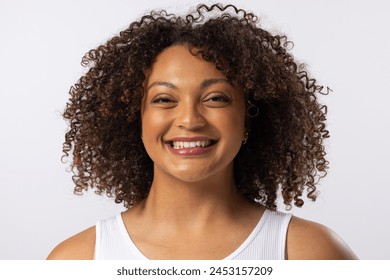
[284,153]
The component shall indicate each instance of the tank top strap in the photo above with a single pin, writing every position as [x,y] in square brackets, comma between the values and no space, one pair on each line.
[113,241]
[268,239]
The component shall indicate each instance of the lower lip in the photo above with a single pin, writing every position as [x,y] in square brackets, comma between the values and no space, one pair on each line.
[196,151]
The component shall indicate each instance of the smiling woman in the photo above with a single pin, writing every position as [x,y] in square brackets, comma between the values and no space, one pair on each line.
[198,124]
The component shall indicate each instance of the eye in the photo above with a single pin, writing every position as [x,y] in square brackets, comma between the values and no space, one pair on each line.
[163,101]
[217,100]
[220,98]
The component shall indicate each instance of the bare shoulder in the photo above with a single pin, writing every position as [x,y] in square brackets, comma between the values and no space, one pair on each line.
[78,247]
[310,240]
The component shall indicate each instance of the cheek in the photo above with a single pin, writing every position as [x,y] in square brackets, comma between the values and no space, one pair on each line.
[151,124]
[232,127]
[154,127]
[235,120]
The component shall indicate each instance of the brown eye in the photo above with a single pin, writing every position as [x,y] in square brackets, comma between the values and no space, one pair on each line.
[217,100]
[162,100]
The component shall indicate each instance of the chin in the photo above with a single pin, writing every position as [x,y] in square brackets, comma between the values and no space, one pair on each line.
[190,178]
[191,175]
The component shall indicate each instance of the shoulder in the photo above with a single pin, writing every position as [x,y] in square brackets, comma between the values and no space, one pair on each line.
[78,247]
[310,240]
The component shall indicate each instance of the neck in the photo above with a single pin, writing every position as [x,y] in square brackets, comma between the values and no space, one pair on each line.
[192,202]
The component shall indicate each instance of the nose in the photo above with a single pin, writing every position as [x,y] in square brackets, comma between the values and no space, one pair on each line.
[189,117]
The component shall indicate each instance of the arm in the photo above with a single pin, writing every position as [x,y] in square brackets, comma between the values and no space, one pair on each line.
[307,240]
[78,247]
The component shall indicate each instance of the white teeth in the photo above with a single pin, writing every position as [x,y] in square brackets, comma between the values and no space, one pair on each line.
[191,144]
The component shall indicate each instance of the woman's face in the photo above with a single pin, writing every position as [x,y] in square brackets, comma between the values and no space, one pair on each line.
[192,117]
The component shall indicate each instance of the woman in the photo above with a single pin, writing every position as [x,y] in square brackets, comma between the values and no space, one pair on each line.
[198,124]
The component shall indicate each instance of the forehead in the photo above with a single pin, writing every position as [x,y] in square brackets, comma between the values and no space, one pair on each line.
[177,62]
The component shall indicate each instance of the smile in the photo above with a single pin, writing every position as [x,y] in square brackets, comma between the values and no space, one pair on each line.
[197,146]
[191,144]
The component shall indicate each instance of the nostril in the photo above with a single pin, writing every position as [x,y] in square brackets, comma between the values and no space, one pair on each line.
[190,118]
[192,124]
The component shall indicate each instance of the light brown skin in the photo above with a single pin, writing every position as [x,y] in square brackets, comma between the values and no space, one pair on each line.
[306,240]
[193,201]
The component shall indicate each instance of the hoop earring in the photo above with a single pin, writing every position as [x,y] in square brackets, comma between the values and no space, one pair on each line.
[252,110]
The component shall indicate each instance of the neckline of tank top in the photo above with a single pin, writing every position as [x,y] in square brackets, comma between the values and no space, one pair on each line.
[237,251]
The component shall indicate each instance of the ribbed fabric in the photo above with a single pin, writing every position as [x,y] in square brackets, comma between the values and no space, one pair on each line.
[266,242]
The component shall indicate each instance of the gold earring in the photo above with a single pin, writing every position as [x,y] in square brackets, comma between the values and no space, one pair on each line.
[245,138]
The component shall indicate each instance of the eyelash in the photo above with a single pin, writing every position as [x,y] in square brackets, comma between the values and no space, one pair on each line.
[218,98]
[215,98]
[162,100]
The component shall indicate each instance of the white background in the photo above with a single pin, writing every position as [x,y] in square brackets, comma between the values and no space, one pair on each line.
[346,45]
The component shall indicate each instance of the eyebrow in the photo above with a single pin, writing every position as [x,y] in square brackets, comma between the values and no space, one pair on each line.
[209,82]
[203,85]
[165,84]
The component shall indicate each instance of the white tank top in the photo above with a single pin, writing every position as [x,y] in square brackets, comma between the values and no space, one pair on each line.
[267,241]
